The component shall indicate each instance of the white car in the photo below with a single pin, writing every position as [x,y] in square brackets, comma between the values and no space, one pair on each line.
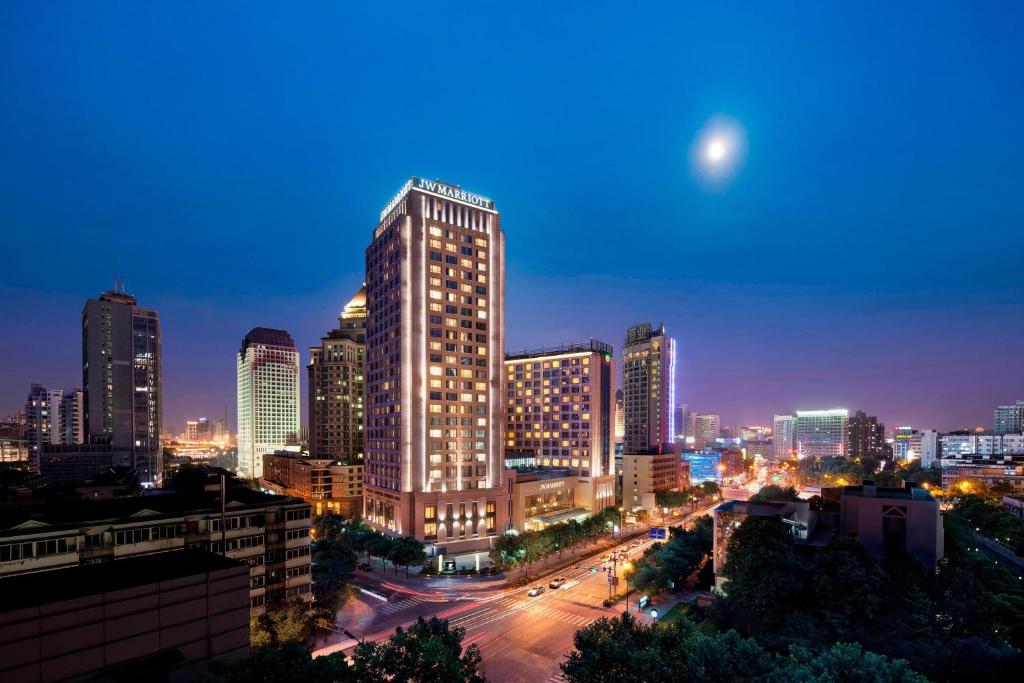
[557,583]
[535,591]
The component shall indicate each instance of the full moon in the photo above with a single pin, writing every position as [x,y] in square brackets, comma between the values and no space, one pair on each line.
[716,150]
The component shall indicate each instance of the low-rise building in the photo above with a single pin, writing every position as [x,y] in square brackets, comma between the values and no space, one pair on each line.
[154,617]
[542,497]
[887,520]
[13,449]
[647,474]
[329,486]
[64,464]
[269,533]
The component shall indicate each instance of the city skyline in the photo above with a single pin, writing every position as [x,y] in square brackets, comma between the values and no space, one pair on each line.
[840,294]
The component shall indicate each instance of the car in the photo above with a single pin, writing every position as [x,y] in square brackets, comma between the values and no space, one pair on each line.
[364,567]
[557,583]
[535,591]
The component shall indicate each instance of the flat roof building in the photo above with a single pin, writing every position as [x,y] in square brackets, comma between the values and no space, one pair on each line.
[559,404]
[435,340]
[821,433]
[886,520]
[648,387]
[155,617]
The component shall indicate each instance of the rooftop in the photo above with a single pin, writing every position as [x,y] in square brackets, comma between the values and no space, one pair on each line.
[869,490]
[267,336]
[56,585]
[581,346]
[74,513]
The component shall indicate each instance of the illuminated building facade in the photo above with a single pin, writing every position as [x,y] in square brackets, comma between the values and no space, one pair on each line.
[620,419]
[435,333]
[559,405]
[865,436]
[783,437]
[1009,419]
[821,433]
[703,430]
[122,379]
[268,397]
[335,375]
[648,387]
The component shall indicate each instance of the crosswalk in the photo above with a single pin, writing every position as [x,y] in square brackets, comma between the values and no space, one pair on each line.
[549,612]
[556,678]
[405,604]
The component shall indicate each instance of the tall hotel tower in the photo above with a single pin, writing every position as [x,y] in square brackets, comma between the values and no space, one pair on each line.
[649,378]
[122,378]
[268,397]
[435,281]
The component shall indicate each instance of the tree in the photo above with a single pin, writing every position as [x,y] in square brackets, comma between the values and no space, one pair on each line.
[846,663]
[406,551]
[291,621]
[710,488]
[328,528]
[333,564]
[290,663]
[379,545]
[773,493]
[428,652]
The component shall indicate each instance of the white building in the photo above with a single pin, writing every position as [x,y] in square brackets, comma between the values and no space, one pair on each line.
[72,416]
[821,433]
[268,397]
[782,436]
[1009,419]
[924,446]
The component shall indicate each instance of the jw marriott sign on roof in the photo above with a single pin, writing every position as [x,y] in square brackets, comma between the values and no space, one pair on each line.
[440,189]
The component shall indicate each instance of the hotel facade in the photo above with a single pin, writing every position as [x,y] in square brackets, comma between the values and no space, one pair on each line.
[435,275]
[559,405]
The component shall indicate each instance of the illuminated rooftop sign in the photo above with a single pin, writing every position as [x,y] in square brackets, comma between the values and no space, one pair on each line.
[440,189]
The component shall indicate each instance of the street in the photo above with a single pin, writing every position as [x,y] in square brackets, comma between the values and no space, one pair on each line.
[521,638]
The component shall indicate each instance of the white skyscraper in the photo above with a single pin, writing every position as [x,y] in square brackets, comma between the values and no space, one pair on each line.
[268,397]
[782,437]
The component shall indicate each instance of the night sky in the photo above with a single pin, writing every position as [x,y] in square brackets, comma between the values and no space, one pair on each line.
[229,162]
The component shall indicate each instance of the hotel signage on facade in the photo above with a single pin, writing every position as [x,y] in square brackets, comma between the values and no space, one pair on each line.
[438,188]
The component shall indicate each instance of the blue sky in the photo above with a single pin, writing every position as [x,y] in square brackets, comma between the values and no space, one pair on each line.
[229,162]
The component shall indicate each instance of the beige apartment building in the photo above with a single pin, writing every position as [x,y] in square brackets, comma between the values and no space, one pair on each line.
[329,486]
[645,475]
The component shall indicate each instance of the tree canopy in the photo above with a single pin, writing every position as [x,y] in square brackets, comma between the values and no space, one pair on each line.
[621,650]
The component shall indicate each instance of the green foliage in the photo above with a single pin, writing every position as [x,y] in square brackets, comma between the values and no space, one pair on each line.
[966,621]
[290,621]
[428,652]
[772,493]
[992,520]
[290,663]
[406,551]
[515,550]
[710,488]
[673,562]
[333,564]
[620,650]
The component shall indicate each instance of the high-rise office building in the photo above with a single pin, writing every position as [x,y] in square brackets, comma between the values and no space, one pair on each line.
[681,421]
[783,437]
[435,280]
[620,418]
[821,433]
[72,417]
[268,397]
[122,379]
[42,420]
[1009,419]
[865,436]
[559,406]
[901,437]
[649,376]
[335,373]
[702,429]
